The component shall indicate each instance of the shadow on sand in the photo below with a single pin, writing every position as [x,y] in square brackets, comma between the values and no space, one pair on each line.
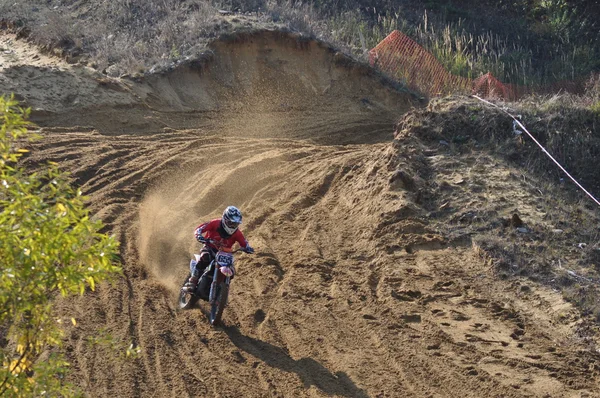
[310,371]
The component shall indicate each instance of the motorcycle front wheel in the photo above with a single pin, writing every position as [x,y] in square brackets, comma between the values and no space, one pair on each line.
[218,305]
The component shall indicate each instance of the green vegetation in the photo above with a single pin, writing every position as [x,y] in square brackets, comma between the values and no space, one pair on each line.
[593,94]
[49,246]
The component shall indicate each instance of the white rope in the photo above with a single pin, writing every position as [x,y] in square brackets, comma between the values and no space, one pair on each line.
[543,149]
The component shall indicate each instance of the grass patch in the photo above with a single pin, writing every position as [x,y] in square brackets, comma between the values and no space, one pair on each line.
[524,44]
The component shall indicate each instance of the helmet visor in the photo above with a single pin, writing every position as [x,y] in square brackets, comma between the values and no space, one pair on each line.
[231,224]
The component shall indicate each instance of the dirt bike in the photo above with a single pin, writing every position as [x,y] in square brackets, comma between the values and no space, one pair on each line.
[213,285]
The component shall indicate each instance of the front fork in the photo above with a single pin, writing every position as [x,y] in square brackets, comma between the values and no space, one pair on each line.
[217,278]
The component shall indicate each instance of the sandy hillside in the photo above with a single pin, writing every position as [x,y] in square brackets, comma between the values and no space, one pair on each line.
[353,291]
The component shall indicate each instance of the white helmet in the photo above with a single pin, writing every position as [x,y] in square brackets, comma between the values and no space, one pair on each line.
[232,218]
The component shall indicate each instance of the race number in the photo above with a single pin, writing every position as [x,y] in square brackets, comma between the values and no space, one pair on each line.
[224,259]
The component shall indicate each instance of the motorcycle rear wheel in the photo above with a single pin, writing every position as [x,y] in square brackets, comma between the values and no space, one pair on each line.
[187,300]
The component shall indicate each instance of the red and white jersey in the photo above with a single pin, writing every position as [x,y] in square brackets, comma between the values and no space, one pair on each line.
[214,231]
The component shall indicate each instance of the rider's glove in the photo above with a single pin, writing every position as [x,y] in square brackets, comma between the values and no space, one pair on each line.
[249,249]
[198,235]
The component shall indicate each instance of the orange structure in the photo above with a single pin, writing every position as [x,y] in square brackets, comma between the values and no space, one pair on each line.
[406,61]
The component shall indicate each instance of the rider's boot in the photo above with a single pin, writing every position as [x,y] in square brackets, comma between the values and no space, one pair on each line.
[190,286]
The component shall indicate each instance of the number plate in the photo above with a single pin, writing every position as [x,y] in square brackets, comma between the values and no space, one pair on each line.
[224,259]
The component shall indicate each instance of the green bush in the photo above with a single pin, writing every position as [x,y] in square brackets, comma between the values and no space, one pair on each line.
[48,246]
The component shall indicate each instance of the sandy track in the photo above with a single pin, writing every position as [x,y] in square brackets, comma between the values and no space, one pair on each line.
[351,292]
[326,307]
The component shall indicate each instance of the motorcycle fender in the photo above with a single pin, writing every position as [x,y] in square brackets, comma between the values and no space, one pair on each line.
[193,263]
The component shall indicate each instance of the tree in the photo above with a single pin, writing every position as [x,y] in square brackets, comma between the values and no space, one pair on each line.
[49,247]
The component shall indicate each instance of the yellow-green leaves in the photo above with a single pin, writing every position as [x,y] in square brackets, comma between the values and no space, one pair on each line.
[48,245]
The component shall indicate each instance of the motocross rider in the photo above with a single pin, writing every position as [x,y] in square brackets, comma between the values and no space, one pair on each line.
[225,232]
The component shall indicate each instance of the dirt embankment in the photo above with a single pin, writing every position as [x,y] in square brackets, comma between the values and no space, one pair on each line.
[354,290]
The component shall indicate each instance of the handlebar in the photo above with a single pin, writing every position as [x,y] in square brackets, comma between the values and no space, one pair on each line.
[220,245]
